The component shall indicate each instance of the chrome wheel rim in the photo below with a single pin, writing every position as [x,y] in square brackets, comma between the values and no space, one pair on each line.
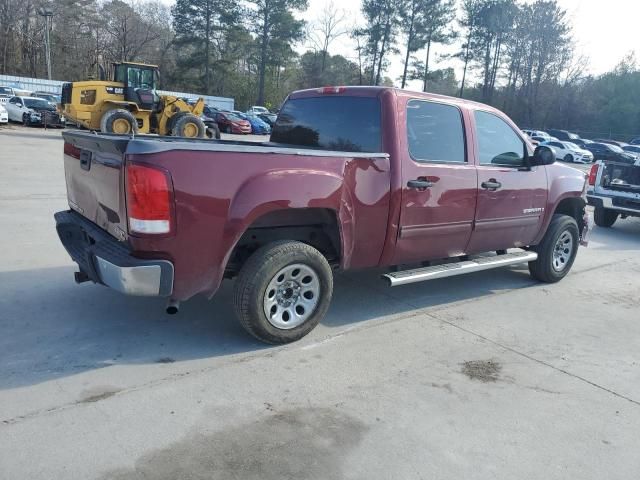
[562,251]
[291,296]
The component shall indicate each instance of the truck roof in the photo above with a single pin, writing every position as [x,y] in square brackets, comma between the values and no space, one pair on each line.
[373,91]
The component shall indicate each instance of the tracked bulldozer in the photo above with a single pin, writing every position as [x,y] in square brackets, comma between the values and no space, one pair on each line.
[128,103]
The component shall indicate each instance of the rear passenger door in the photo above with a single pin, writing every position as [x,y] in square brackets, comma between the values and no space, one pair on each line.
[439,183]
[511,197]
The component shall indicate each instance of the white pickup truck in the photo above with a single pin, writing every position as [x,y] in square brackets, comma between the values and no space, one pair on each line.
[614,190]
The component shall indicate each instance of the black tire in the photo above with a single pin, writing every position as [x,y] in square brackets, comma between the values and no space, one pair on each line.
[254,279]
[568,158]
[190,126]
[111,117]
[543,269]
[213,132]
[25,119]
[227,129]
[604,217]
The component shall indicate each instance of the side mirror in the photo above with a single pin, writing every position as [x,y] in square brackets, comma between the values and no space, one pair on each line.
[542,155]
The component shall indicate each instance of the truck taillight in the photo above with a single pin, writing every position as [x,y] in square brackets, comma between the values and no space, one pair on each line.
[593,174]
[149,199]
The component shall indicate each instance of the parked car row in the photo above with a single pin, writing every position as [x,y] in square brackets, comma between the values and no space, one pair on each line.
[569,147]
[256,120]
[33,111]
[30,108]
[40,108]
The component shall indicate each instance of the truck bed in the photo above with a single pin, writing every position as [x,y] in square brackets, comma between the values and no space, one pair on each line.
[219,188]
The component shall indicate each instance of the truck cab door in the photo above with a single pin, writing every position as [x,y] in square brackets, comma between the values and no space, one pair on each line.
[439,182]
[511,197]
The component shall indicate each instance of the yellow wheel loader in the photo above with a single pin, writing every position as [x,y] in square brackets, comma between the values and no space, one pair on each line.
[128,103]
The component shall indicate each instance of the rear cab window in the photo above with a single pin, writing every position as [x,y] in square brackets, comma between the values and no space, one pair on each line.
[435,132]
[341,122]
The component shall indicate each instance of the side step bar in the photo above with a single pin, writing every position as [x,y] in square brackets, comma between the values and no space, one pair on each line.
[395,279]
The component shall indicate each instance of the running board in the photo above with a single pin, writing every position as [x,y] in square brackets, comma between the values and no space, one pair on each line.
[395,279]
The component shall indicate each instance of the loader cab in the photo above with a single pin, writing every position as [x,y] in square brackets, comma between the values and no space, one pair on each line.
[140,82]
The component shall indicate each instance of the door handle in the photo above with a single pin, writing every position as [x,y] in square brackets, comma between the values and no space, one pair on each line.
[419,184]
[492,185]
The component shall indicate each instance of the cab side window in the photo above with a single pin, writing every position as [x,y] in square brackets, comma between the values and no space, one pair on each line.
[435,132]
[498,144]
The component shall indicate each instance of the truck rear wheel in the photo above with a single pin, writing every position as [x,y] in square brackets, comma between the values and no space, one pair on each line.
[189,126]
[118,121]
[283,291]
[605,217]
[557,250]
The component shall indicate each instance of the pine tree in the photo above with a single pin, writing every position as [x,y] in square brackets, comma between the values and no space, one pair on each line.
[275,28]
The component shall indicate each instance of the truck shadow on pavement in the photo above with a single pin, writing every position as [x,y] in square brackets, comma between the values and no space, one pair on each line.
[53,328]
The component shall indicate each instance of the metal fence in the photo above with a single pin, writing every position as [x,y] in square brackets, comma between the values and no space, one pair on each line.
[55,86]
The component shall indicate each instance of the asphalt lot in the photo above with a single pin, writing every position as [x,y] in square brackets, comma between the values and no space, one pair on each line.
[488,376]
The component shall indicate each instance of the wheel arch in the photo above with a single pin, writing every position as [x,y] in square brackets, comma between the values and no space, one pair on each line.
[316,227]
[573,207]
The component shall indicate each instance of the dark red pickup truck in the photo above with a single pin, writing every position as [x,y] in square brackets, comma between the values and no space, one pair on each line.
[352,177]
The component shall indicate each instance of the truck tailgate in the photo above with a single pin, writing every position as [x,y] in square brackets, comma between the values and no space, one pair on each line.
[94,173]
[621,177]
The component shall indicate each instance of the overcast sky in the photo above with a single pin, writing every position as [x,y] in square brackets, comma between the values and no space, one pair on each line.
[604,31]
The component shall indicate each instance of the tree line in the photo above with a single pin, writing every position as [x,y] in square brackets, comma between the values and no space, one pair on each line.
[518,56]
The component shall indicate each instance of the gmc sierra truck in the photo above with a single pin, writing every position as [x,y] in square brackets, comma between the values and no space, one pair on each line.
[352,177]
[614,190]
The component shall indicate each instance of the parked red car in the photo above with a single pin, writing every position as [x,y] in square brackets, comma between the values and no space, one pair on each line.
[231,123]
[352,177]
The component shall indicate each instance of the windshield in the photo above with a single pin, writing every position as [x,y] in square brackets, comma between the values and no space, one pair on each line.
[50,98]
[140,78]
[233,117]
[38,103]
[350,124]
[136,77]
[616,149]
[571,146]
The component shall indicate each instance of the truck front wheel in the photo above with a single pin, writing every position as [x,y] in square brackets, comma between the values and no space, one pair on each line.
[557,250]
[604,217]
[283,291]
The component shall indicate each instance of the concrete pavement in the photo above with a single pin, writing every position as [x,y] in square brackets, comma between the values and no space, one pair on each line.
[479,377]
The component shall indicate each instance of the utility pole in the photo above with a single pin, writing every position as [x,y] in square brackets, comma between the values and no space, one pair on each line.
[48,21]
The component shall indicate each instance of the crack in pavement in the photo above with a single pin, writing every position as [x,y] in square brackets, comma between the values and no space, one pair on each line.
[433,313]
[537,360]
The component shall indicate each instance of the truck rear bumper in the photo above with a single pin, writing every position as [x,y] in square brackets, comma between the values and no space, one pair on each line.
[627,206]
[105,260]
